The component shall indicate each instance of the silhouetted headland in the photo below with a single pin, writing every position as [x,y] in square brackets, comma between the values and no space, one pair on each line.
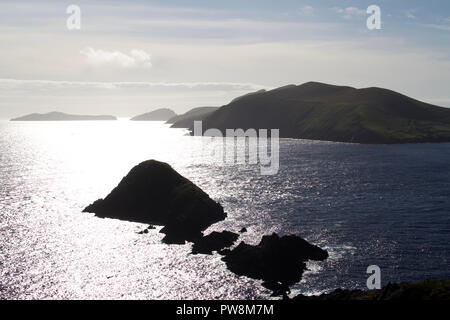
[163,114]
[60,116]
[319,111]
[153,192]
[187,119]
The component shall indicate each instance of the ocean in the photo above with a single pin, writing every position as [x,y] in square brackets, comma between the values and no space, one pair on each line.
[384,205]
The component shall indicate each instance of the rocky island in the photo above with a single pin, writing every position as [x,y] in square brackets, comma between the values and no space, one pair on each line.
[319,111]
[60,116]
[279,261]
[153,192]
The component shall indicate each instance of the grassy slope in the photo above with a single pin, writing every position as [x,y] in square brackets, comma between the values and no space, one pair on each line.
[324,112]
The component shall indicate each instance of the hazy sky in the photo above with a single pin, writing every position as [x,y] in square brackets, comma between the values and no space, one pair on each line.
[134,56]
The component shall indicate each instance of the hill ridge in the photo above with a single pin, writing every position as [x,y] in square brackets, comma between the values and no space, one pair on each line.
[320,111]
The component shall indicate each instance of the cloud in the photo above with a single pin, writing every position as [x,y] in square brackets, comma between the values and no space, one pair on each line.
[306,11]
[410,14]
[119,98]
[437,26]
[40,85]
[136,58]
[350,12]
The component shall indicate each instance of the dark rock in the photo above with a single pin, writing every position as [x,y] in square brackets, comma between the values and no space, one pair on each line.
[178,234]
[215,241]
[153,192]
[274,259]
[243,230]
[277,288]
[224,252]
[150,227]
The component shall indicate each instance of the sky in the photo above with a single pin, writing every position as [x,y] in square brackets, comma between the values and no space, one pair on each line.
[130,57]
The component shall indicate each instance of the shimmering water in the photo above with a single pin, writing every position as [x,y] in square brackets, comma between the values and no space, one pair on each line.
[383,205]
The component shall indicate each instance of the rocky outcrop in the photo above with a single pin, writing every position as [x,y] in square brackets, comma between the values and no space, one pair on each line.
[279,261]
[215,241]
[153,192]
[277,288]
[437,289]
[145,231]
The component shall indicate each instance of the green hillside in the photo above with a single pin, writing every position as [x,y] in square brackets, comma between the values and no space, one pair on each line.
[336,113]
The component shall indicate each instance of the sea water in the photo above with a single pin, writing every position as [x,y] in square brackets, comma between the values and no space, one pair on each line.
[385,205]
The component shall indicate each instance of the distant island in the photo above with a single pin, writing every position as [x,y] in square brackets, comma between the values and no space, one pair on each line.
[319,111]
[162,114]
[60,116]
[187,119]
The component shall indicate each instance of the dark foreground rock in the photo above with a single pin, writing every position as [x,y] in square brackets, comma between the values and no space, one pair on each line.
[279,261]
[215,241]
[437,289]
[154,193]
[277,288]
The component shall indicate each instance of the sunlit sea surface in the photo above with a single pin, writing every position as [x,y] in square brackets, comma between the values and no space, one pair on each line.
[366,204]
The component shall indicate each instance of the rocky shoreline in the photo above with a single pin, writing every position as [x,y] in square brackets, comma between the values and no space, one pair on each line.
[435,289]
